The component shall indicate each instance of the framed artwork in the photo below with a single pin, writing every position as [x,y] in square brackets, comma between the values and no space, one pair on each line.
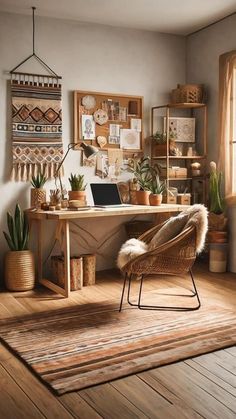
[88,127]
[182,128]
[129,139]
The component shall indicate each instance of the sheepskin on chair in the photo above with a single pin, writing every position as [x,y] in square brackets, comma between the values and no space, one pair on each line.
[195,215]
[129,250]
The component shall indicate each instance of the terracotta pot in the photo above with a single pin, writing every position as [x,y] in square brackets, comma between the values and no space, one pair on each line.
[142,197]
[216,222]
[77,196]
[19,270]
[37,197]
[155,199]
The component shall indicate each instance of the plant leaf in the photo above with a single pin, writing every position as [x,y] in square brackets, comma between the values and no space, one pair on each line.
[9,241]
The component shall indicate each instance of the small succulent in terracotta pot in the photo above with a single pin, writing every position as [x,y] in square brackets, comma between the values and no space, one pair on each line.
[156,188]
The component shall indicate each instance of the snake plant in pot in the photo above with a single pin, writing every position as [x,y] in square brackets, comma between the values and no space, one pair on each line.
[19,261]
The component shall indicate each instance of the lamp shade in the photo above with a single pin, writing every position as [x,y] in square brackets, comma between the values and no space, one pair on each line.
[89,150]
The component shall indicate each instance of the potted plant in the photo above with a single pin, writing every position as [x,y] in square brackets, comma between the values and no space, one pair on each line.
[78,187]
[159,141]
[19,261]
[142,173]
[216,218]
[38,193]
[156,188]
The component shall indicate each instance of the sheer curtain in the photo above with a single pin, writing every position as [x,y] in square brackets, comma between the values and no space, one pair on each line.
[227,64]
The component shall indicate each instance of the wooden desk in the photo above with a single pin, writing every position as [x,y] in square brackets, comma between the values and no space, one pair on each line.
[64,217]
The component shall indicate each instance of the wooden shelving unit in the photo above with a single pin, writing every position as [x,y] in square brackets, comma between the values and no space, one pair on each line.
[187,110]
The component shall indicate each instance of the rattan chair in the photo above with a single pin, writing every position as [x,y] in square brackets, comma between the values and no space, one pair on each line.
[175,257]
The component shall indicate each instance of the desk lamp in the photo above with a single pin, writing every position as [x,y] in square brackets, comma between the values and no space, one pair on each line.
[89,152]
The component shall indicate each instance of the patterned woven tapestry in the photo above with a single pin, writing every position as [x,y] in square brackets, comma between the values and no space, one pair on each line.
[36,125]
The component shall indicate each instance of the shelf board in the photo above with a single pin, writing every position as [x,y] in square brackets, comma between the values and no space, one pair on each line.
[180,157]
[185,178]
[181,106]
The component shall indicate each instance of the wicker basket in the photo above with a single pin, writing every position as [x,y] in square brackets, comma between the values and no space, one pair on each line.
[19,270]
[89,268]
[190,93]
[134,229]
[37,197]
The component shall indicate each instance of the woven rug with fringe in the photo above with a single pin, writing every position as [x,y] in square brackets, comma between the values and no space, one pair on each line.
[73,348]
[36,125]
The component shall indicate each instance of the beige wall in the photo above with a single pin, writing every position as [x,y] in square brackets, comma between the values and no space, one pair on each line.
[203,51]
[88,57]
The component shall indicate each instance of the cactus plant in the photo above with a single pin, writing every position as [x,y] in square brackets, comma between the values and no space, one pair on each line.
[77,182]
[18,229]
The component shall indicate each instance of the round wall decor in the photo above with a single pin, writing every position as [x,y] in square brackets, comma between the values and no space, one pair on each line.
[89,102]
[100,116]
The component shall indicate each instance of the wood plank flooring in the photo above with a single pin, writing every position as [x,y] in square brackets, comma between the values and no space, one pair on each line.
[201,387]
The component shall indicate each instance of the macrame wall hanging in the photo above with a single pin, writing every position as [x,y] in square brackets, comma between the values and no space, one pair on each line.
[36,121]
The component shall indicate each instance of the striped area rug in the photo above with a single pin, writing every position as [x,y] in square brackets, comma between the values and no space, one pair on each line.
[73,348]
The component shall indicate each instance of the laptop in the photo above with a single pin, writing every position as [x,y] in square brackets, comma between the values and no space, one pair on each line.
[106,195]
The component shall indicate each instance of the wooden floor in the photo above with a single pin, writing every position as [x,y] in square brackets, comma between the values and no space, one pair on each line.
[203,387]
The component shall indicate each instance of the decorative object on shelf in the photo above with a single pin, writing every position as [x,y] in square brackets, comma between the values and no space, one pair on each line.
[89,102]
[38,193]
[130,139]
[156,188]
[159,145]
[133,188]
[100,117]
[88,127]
[36,115]
[182,128]
[196,168]
[188,93]
[184,198]
[19,261]
[101,140]
[78,187]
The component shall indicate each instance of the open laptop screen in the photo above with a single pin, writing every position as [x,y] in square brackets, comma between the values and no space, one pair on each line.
[105,194]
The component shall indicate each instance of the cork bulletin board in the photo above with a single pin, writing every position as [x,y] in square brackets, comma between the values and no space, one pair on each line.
[109,120]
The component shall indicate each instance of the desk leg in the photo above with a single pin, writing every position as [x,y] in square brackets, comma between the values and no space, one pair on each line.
[40,256]
[66,251]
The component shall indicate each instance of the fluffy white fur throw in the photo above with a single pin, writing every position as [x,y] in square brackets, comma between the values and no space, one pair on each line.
[195,215]
[129,250]
[198,216]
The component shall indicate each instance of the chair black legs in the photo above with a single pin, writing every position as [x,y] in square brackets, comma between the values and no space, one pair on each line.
[194,293]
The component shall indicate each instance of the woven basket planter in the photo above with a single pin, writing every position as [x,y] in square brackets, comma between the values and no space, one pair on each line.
[37,197]
[19,270]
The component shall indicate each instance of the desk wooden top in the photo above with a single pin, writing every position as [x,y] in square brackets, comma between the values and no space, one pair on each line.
[104,212]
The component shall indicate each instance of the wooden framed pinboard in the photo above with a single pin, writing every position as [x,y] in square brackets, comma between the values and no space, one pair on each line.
[109,120]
